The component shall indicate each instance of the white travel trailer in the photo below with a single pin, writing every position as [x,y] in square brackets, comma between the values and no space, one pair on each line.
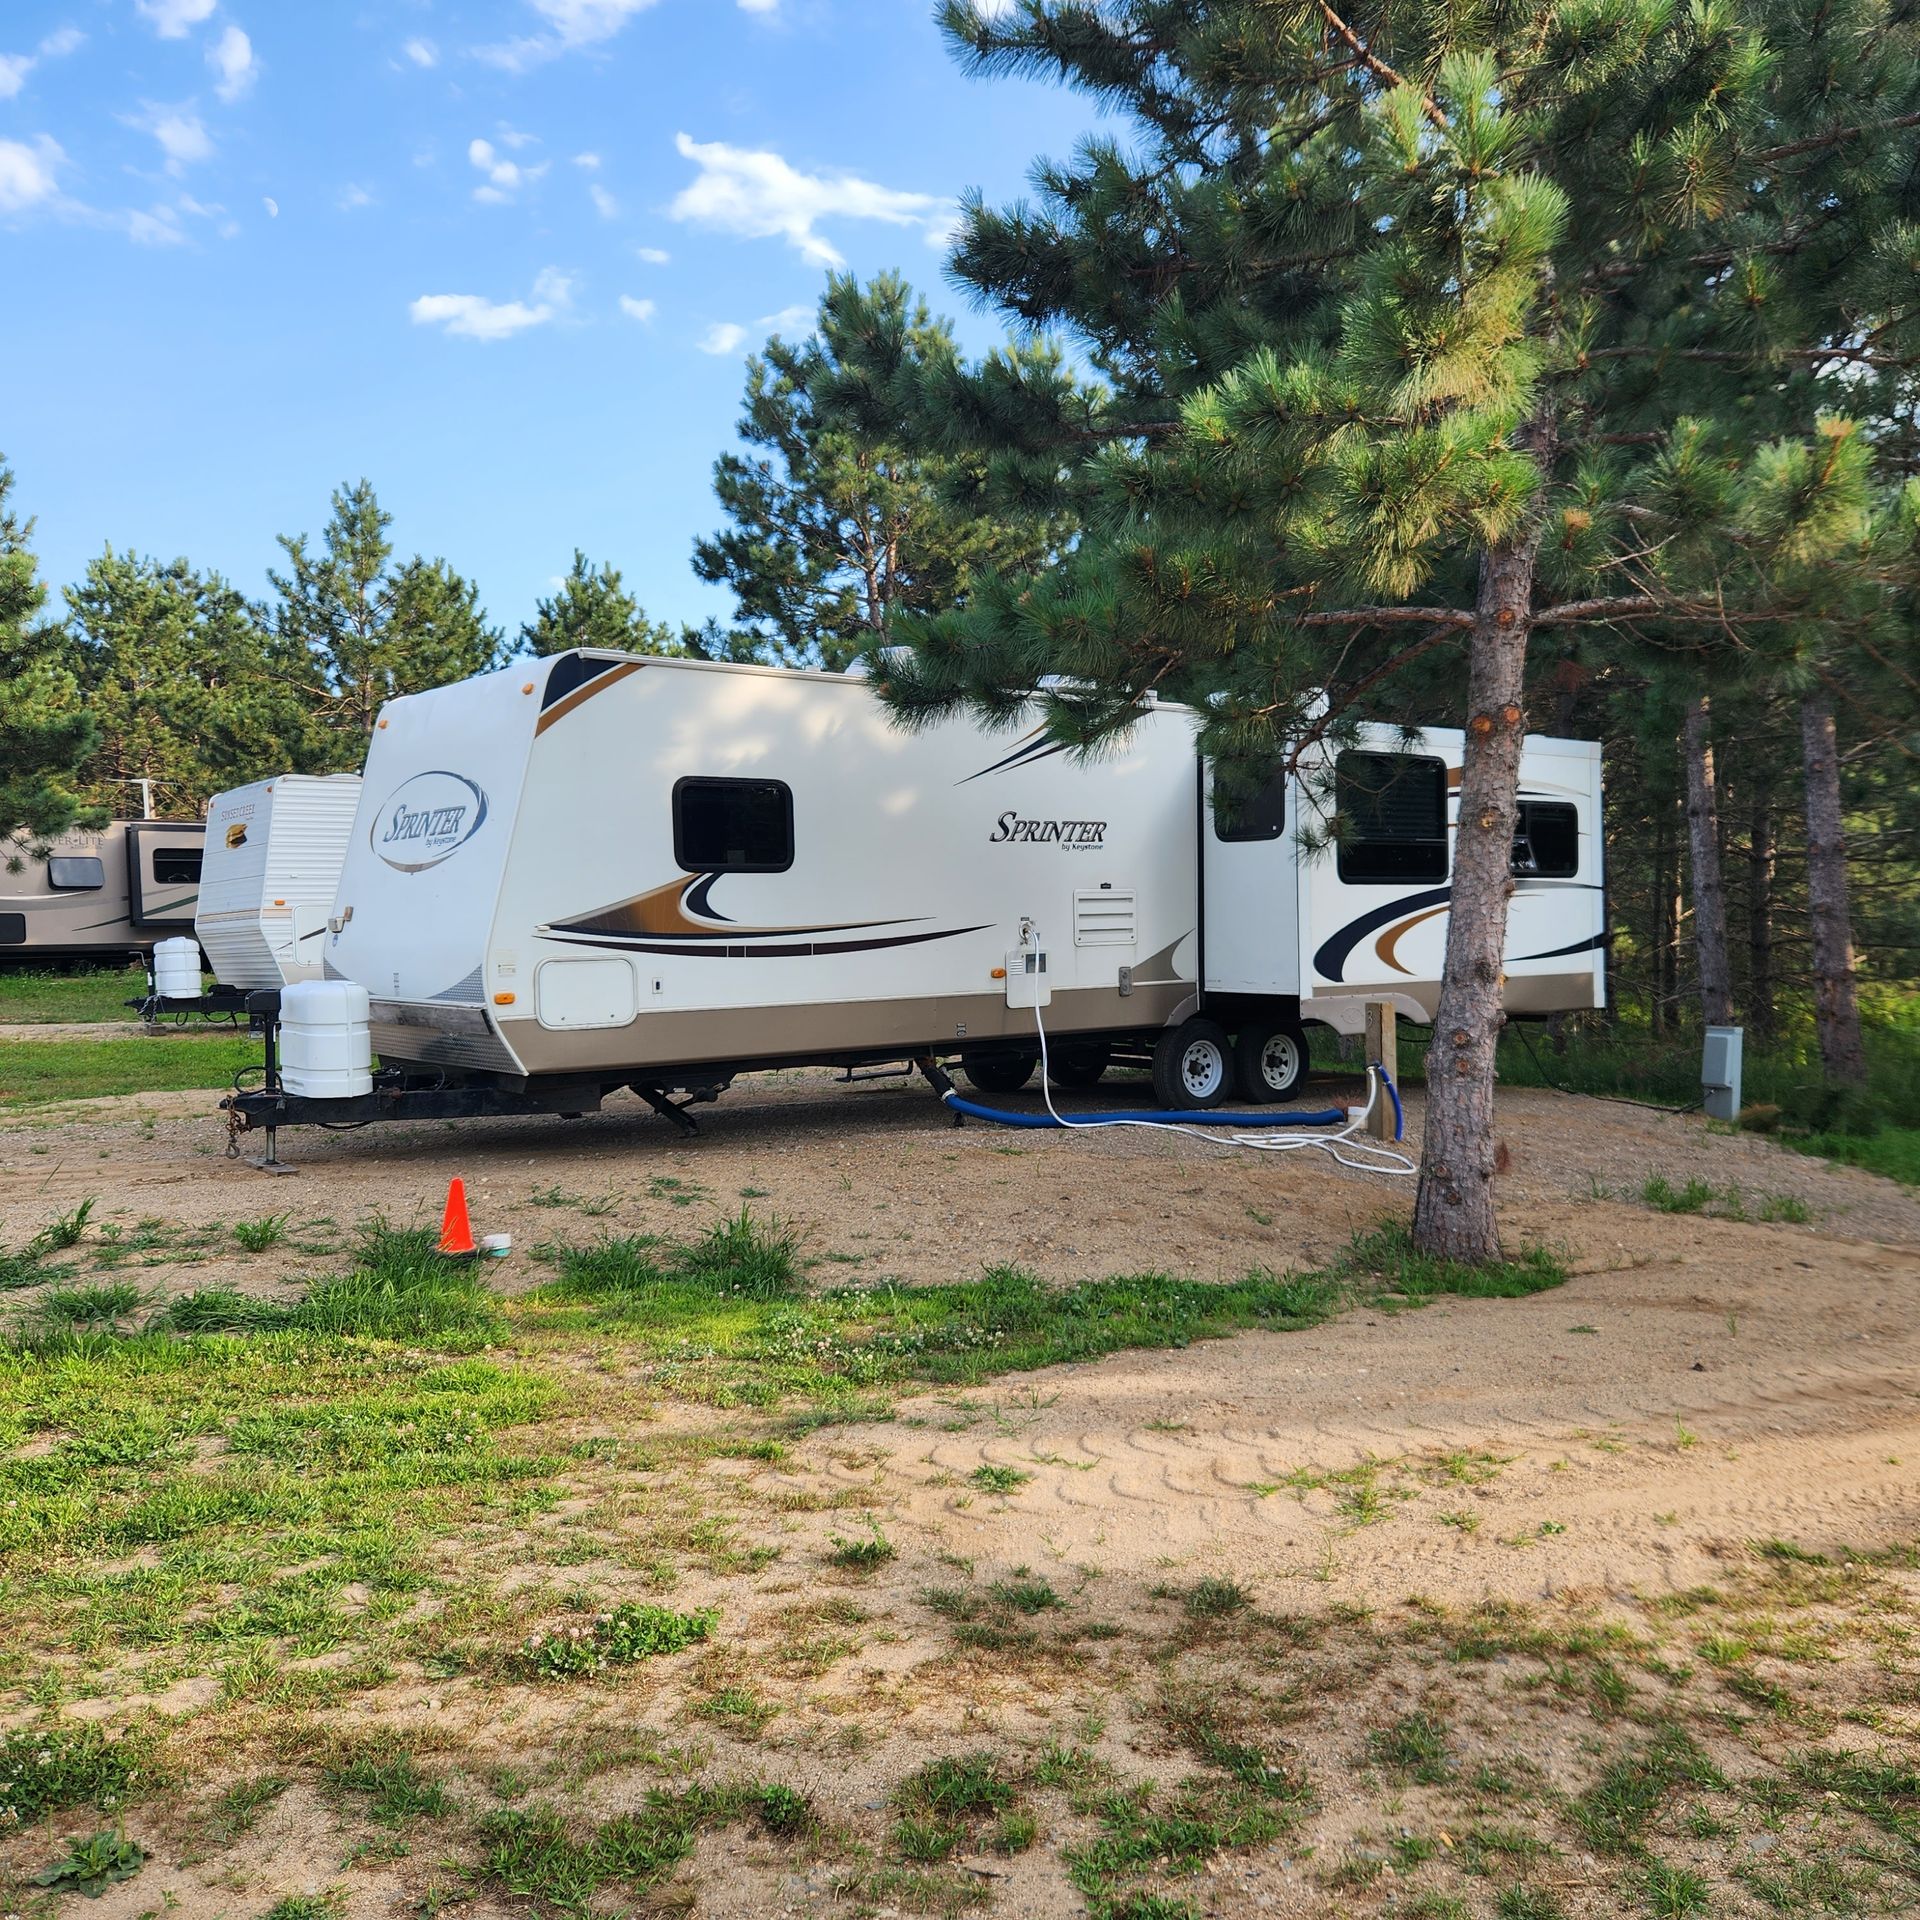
[274,854]
[596,871]
[98,892]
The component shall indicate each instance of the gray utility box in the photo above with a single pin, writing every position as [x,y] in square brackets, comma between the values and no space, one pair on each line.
[1720,1073]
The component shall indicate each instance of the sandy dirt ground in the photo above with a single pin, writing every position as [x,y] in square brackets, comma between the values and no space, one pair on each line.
[877,1171]
[1699,1386]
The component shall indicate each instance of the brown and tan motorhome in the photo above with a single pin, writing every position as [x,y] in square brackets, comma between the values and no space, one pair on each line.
[98,892]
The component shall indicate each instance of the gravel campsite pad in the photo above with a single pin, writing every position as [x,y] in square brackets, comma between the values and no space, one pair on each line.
[1579,1602]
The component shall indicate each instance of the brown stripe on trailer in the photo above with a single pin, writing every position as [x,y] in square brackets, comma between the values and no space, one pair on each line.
[672,1039]
[585,692]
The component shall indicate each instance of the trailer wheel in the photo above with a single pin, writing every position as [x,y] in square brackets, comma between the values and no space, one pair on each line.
[1270,1060]
[1079,1063]
[999,1072]
[1192,1065]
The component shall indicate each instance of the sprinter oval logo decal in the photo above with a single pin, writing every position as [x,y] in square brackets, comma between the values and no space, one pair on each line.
[428,819]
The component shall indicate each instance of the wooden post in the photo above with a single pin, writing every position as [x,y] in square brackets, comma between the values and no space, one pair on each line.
[1383,1044]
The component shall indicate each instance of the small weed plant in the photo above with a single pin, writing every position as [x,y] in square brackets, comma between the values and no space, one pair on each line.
[632,1631]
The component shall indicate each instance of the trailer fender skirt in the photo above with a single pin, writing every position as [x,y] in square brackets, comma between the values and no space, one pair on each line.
[1327,1117]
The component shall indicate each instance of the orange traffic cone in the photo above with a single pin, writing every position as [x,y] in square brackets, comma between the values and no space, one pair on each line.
[456,1230]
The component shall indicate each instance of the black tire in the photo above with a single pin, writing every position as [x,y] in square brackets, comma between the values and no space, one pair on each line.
[999,1072]
[1270,1061]
[1192,1065]
[1079,1063]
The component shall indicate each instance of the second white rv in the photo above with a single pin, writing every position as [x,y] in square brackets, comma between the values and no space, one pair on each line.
[604,870]
[273,859]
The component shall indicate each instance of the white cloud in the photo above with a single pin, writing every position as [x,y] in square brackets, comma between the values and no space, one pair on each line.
[759,6]
[160,228]
[505,177]
[584,23]
[790,319]
[172,18]
[470,316]
[231,57]
[272,206]
[653,256]
[571,25]
[183,140]
[758,196]
[423,53]
[512,137]
[727,336]
[591,161]
[352,197]
[29,174]
[636,309]
[14,67]
[604,202]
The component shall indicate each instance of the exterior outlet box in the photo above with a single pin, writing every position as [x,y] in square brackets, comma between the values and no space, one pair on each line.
[1720,1073]
[1027,982]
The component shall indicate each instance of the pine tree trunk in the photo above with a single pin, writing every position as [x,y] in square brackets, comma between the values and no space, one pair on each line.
[1836,1006]
[1709,891]
[1453,1216]
[1659,905]
[1760,1014]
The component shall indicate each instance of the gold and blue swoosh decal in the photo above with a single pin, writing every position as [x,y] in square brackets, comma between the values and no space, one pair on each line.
[680,918]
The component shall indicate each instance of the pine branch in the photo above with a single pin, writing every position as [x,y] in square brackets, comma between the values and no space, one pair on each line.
[1448,617]
[1862,356]
[1378,67]
[1837,137]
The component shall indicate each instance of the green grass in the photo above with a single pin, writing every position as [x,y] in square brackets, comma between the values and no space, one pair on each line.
[33,1072]
[728,1322]
[238,1487]
[1893,1152]
[98,993]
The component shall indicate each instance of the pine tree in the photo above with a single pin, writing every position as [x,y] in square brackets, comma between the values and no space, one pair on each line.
[842,517]
[590,608]
[45,734]
[1429,330]
[186,685]
[370,631]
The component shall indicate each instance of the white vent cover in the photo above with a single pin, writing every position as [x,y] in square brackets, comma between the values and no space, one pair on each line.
[1103,919]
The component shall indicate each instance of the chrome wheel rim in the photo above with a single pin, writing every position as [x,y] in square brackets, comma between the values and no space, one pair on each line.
[1280,1061]
[1202,1069]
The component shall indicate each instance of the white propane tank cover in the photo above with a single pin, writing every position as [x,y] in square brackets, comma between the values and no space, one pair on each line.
[176,969]
[326,1044]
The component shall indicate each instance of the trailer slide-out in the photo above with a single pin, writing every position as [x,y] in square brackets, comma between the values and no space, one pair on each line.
[598,871]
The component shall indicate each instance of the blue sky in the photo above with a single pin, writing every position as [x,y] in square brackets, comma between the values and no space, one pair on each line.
[503,257]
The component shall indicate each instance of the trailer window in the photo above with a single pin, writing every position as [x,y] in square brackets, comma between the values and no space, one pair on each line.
[1259,815]
[176,866]
[13,929]
[733,826]
[1393,817]
[1546,839]
[76,873]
